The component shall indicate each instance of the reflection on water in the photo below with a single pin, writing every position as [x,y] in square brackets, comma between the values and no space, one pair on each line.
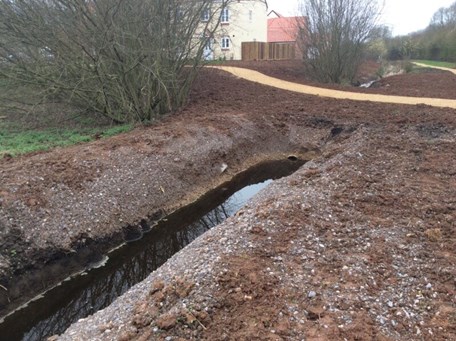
[87,294]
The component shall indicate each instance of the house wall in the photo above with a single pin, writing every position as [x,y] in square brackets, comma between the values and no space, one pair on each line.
[247,22]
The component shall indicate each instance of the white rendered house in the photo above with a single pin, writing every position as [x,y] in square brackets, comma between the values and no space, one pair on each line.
[241,21]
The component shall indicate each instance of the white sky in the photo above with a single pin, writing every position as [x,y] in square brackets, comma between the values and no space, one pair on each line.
[403,16]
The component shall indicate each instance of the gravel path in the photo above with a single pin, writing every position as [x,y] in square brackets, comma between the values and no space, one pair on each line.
[436,67]
[258,77]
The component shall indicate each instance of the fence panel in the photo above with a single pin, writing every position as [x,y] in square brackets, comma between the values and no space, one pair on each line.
[268,51]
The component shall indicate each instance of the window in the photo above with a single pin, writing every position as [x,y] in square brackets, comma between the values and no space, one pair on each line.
[225,15]
[205,15]
[250,15]
[225,43]
[179,14]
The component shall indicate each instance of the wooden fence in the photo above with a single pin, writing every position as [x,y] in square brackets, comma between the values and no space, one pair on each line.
[268,51]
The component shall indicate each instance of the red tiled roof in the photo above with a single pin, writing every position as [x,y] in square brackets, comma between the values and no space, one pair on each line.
[284,29]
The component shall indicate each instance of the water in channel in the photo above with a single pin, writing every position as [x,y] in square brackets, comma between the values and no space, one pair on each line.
[85,294]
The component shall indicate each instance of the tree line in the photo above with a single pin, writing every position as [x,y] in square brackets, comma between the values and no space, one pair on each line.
[436,42]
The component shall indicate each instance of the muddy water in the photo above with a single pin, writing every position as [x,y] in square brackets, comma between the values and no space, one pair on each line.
[92,290]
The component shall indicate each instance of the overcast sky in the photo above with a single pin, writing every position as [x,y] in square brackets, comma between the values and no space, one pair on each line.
[403,16]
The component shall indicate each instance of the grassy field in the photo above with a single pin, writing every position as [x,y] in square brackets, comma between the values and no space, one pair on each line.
[437,63]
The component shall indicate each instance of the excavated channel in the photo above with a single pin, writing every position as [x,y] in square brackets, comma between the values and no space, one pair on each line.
[91,290]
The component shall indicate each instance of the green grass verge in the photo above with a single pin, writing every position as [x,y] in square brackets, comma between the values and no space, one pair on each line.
[21,142]
[437,63]
[25,128]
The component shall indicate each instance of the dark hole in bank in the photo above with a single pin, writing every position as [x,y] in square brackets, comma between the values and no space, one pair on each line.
[83,295]
[336,131]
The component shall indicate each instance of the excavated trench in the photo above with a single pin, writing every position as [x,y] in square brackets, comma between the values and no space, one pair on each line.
[149,245]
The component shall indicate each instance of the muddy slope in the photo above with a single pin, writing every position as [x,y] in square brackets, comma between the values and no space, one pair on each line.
[61,209]
[55,203]
[357,245]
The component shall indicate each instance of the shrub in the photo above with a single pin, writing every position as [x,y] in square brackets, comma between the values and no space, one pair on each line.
[122,59]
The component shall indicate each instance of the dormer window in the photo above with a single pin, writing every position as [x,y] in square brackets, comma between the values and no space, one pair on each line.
[225,16]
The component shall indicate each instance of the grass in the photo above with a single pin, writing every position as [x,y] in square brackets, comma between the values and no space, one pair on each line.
[437,63]
[47,126]
[14,142]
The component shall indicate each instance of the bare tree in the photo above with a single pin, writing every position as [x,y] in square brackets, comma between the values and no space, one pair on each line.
[444,16]
[334,36]
[124,59]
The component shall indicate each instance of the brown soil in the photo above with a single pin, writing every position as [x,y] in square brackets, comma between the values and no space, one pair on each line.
[294,70]
[438,84]
[387,172]
[426,82]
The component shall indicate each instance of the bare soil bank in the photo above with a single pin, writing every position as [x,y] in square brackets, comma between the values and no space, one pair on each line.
[62,209]
[370,219]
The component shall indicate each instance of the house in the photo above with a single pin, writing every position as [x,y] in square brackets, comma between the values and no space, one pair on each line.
[241,21]
[285,30]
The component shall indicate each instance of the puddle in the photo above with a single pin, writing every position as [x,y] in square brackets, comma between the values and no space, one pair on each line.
[368,84]
[84,294]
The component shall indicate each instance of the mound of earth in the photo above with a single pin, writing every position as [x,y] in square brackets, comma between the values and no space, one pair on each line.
[359,244]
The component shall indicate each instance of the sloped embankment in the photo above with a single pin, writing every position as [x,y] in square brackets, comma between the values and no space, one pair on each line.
[61,210]
[358,244]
